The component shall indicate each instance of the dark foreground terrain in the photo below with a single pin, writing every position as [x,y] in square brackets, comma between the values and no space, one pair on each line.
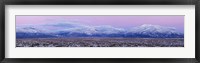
[100,42]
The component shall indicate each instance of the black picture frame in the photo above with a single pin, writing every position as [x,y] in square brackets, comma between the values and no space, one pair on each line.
[99,2]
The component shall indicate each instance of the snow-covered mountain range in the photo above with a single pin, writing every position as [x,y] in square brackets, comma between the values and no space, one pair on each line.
[69,29]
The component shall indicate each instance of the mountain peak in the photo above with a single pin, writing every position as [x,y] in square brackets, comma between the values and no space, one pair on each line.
[148,25]
[155,29]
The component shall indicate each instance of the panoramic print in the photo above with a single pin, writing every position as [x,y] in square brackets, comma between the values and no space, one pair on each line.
[100,31]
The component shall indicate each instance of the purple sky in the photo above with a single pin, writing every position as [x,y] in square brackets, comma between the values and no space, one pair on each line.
[116,21]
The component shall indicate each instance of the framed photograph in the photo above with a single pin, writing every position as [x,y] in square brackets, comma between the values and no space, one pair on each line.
[81,31]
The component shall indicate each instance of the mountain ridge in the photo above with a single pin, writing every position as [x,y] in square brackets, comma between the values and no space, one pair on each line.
[80,30]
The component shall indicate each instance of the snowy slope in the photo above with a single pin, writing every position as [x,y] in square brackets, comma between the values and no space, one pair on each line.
[149,30]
